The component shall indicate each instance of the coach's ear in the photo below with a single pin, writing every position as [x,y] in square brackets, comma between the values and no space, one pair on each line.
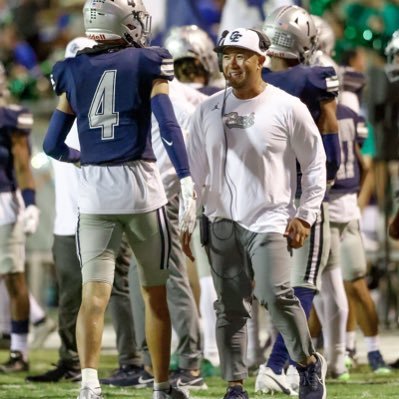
[261,61]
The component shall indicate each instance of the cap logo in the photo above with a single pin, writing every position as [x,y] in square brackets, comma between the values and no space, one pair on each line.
[235,36]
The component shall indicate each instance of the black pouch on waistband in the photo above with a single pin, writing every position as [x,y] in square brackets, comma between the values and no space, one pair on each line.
[204,230]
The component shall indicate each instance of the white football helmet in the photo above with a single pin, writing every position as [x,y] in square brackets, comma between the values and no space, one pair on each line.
[392,47]
[325,35]
[117,19]
[292,32]
[190,41]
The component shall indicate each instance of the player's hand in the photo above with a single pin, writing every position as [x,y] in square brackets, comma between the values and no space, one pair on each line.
[296,232]
[185,243]
[187,208]
[30,219]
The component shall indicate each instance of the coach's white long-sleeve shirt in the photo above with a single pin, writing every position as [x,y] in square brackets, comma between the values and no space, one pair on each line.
[246,170]
[184,100]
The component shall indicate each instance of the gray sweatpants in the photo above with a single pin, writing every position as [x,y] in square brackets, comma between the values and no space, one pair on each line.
[69,280]
[182,307]
[244,264]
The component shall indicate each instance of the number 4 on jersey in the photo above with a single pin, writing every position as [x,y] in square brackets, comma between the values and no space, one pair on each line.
[102,109]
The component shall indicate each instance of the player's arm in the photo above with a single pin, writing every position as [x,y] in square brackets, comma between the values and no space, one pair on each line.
[328,127]
[173,141]
[60,124]
[21,154]
[171,134]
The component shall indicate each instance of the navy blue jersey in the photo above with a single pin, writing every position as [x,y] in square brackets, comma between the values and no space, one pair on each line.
[310,84]
[352,132]
[109,91]
[209,90]
[13,120]
[353,81]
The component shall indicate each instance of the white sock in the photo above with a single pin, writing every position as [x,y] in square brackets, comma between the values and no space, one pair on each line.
[19,342]
[36,312]
[208,297]
[350,339]
[335,307]
[5,316]
[90,379]
[372,343]
[161,386]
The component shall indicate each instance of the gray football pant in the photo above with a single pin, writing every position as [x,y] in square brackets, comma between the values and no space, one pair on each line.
[244,264]
[182,307]
[69,280]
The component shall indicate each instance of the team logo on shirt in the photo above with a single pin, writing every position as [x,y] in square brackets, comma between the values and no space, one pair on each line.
[233,120]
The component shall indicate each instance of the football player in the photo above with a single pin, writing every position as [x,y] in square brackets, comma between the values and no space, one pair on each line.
[111,90]
[293,36]
[19,216]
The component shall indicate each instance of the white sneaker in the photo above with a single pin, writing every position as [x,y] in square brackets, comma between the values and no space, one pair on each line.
[41,332]
[293,378]
[267,381]
[88,393]
[174,393]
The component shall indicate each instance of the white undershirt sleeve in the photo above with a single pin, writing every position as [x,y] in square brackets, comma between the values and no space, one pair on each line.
[309,151]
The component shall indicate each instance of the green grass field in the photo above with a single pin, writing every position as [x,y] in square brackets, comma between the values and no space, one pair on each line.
[363,383]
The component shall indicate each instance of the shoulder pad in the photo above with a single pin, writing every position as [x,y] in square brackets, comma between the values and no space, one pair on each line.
[162,51]
[352,80]
[18,118]
[325,79]
[58,76]
[160,59]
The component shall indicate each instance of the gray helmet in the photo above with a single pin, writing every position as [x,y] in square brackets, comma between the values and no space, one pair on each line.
[292,32]
[392,47]
[190,41]
[325,35]
[322,59]
[117,19]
